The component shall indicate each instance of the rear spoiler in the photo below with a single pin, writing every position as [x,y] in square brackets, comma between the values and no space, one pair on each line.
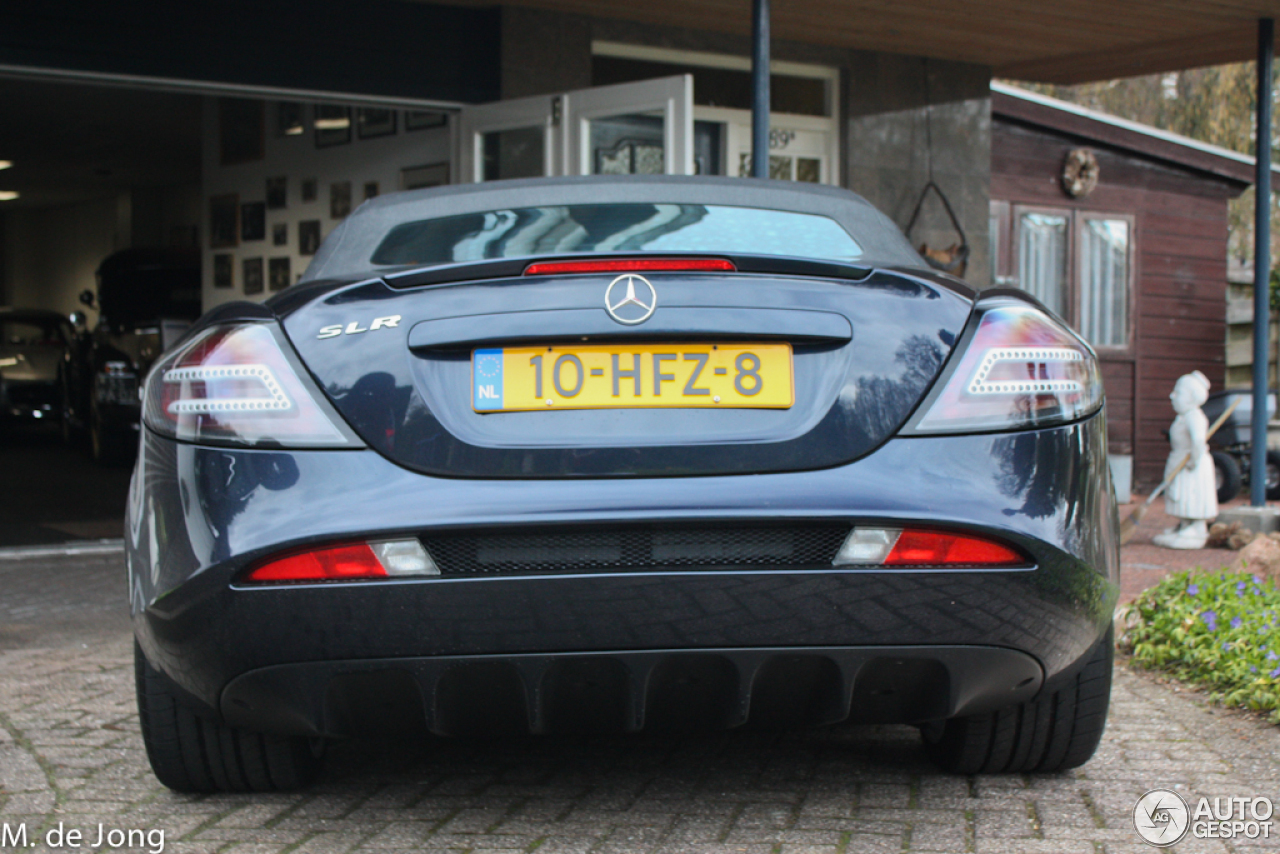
[508,268]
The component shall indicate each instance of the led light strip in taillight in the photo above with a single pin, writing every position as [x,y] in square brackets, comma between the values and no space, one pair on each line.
[348,562]
[632,265]
[1038,359]
[275,401]
[905,548]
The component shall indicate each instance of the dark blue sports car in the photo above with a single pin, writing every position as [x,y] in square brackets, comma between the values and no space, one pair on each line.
[589,455]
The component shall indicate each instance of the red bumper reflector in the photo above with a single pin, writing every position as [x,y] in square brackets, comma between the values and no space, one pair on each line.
[940,548]
[333,564]
[631,265]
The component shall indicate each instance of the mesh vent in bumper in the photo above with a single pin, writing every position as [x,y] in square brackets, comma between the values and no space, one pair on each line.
[636,548]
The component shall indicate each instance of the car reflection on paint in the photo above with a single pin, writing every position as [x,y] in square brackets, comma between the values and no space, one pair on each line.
[611,454]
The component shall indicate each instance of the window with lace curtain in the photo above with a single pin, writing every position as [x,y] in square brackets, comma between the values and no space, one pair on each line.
[1078,263]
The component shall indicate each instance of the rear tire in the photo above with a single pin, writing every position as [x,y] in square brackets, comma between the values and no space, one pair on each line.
[1227,471]
[1052,733]
[190,753]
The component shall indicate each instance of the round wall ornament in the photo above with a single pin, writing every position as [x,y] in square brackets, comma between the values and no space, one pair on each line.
[1079,173]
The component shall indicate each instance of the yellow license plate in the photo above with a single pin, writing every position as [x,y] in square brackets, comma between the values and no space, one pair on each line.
[609,376]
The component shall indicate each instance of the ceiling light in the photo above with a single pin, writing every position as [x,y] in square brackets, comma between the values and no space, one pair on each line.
[8,195]
[333,124]
[5,164]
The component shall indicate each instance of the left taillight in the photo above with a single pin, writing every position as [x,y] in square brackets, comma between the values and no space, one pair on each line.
[347,562]
[241,385]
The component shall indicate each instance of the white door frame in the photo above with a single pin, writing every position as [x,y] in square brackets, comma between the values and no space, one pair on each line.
[543,111]
[672,96]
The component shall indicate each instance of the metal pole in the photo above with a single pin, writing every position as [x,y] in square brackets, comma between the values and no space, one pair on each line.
[759,88]
[1262,263]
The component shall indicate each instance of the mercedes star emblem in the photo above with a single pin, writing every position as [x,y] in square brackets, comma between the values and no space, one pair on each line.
[630,299]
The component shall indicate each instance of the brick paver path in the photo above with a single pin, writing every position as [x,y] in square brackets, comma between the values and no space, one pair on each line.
[71,756]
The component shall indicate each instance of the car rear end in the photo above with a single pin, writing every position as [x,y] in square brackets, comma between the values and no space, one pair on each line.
[617,489]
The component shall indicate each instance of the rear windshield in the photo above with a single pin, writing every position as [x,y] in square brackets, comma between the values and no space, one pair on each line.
[521,232]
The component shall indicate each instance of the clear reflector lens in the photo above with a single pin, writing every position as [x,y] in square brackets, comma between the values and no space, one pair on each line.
[235,385]
[1021,369]
[404,557]
[866,546]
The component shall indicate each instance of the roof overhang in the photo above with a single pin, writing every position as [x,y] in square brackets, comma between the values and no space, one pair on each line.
[1066,41]
[1091,126]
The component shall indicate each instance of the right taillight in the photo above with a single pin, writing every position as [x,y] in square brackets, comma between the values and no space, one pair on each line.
[1019,369]
[921,548]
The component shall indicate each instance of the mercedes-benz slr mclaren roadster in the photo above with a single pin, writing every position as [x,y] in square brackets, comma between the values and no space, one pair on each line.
[598,455]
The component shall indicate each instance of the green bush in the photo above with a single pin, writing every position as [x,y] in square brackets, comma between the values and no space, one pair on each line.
[1215,629]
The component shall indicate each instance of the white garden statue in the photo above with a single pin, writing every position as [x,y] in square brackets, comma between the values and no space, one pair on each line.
[1192,495]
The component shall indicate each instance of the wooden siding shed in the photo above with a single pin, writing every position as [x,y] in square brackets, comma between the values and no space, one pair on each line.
[1173,193]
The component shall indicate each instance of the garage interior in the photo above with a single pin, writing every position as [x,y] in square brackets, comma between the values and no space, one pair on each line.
[133,158]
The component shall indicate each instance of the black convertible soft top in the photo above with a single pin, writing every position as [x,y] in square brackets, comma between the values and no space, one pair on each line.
[348,251]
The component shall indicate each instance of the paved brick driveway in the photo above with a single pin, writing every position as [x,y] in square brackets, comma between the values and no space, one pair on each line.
[70,755]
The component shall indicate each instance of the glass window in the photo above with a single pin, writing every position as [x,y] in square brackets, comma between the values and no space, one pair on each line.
[1104,282]
[523,232]
[515,153]
[719,87]
[1042,258]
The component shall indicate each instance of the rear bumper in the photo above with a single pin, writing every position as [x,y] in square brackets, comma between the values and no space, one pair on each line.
[199,516]
[629,691]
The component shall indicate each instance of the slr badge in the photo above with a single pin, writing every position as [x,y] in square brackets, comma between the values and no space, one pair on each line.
[630,299]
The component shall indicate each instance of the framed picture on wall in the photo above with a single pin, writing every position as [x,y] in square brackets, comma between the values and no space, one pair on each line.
[223,275]
[252,276]
[308,236]
[279,272]
[253,221]
[333,125]
[277,193]
[431,175]
[224,221]
[309,189]
[280,234]
[241,128]
[339,199]
[289,119]
[424,119]
[373,122]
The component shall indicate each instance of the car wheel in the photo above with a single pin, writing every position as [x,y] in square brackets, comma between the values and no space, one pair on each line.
[190,753]
[1273,475]
[1227,473]
[1053,733]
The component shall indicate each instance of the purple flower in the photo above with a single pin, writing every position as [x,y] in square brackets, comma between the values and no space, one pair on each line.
[1211,620]
[1193,589]
[1271,656]
[1253,669]
[1274,673]
[1236,622]
[1226,647]
[1255,591]
[1257,579]
[1240,585]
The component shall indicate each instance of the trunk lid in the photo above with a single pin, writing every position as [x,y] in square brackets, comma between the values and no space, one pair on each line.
[396,358]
